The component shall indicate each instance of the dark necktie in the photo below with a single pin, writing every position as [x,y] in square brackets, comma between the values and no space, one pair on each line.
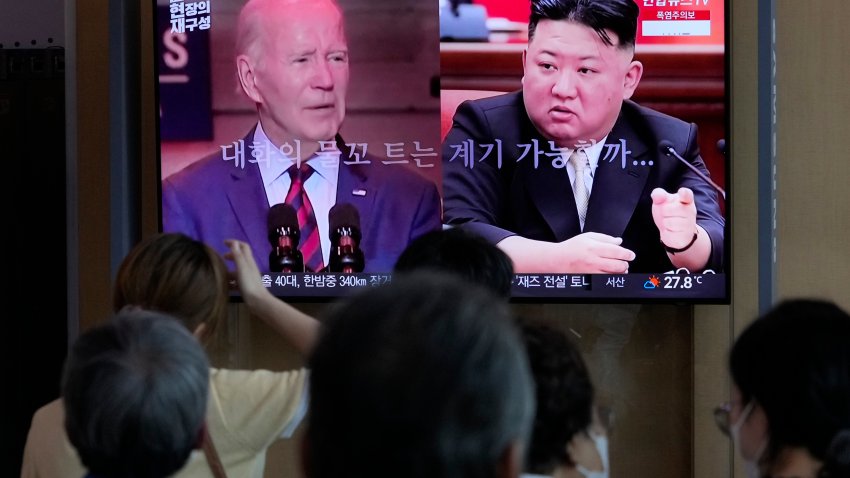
[311,246]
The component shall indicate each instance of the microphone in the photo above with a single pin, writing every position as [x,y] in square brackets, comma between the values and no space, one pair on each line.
[721,146]
[346,256]
[666,148]
[284,235]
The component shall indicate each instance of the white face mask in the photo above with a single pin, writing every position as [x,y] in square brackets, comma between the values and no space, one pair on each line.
[751,464]
[601,442]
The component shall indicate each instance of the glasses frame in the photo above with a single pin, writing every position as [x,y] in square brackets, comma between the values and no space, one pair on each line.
[721,415]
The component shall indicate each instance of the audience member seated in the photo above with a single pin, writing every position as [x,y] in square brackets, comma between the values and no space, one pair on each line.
[463,254]
[790,410]
[404,385]
[135,392]
[248,410]
[567,440]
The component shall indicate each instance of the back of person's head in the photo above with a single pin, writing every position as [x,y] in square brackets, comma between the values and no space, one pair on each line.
[461,253]
[564,397]
[135,393]
[617,16]
[424,377]
[175,274]
[795,363]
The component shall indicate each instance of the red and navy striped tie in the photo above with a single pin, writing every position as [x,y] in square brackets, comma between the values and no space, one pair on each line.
[311,246]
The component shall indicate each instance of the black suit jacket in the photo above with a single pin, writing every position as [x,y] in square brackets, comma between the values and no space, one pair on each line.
[535,199]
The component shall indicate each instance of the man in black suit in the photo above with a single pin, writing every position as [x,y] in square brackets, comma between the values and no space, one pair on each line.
[566,175]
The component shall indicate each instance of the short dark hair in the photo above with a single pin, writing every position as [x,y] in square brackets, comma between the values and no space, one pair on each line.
[618,16]
[424,377]
[794,362]
[135,393]
[564,396]
[463,253]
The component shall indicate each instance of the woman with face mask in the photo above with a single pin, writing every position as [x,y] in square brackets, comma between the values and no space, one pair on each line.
[569,439]
[790,410]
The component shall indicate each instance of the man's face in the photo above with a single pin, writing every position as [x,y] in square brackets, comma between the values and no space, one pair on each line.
[574,84]
[301,75]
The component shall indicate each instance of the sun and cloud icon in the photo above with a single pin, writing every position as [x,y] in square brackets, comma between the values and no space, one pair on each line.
[652,283]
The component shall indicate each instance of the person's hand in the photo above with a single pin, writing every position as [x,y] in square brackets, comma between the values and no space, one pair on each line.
[593,253]
[675,215]
[298,328]
[247,273]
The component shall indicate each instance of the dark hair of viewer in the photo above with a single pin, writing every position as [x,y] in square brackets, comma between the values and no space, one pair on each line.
[178,275]
[564,396]
[795,362]
[462,253]
[135,393]
[425,377]
[618,16]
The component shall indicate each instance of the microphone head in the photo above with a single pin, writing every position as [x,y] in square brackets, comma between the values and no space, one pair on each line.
[665,146]
[721,146]
[346,256]
[283,221]
[284,235]
[282,215]
[343,215]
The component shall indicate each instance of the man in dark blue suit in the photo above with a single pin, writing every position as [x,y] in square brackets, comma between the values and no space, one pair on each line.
[292,62]
[573,180]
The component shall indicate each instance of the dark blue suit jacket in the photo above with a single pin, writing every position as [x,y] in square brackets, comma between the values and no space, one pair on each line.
[211,200]
[537,202]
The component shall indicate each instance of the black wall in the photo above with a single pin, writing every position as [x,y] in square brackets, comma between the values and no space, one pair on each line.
[33,341]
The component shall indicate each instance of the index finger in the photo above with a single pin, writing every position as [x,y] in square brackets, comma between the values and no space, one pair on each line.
[686,196]
[239,250]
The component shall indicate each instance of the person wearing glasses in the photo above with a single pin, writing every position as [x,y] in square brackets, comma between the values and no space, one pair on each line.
[789,415]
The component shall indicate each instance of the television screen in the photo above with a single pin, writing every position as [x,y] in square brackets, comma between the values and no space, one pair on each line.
[308,130]
[329,138]
[593,149]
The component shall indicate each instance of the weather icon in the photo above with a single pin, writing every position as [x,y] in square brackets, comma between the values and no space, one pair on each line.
[652,283]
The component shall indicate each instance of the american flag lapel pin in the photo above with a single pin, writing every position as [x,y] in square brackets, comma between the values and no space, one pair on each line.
[358,192]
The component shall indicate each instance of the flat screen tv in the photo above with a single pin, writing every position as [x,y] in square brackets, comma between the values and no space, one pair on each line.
[245,102]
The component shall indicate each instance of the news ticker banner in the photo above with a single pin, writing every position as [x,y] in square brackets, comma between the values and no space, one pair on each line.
[685,287]
[675,22]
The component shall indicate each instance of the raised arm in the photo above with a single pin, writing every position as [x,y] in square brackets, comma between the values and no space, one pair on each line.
[300,329]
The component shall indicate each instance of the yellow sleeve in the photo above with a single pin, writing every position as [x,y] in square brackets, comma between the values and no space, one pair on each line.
[256,407]
[48,453]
